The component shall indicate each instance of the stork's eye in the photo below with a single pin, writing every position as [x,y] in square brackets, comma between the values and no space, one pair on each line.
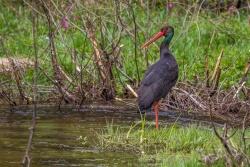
[164,30]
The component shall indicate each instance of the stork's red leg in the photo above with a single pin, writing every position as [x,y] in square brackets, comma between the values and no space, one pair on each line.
[156,110]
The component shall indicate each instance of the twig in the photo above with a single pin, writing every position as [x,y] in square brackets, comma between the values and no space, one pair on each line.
[192,98]
[98,52]
[26,159]
[103,63]
[59,74]
[131,90]
[223,140]
[239,89]
[243,138]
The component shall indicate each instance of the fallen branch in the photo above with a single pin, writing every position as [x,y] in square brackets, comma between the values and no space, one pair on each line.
[192,98]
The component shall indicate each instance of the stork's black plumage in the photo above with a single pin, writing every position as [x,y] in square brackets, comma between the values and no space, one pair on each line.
[160,77]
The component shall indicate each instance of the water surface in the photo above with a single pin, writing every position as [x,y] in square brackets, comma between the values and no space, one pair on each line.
[56,138]
[55,141]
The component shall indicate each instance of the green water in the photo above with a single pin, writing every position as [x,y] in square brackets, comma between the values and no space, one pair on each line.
[55,141]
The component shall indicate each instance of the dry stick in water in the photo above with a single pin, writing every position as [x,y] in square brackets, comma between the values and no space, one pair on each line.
[26,159]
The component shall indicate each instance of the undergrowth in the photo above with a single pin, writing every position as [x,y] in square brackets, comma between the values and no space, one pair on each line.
[198,34]
[171,145]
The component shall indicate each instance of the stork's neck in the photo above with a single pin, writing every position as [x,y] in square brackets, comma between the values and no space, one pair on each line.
[165,44]
[168,38]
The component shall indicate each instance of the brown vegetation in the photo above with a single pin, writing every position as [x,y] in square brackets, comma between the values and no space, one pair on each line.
[227,105]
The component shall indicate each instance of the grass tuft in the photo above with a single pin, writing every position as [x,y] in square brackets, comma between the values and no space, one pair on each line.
[172,145]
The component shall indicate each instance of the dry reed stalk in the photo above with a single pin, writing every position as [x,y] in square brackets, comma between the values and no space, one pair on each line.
[217,67]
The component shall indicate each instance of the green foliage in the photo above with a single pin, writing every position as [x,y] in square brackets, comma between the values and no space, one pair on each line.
[197,34]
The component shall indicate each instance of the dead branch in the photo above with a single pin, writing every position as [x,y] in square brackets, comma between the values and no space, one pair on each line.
[224,140]
[104,66]
[131,90]
[239,89]
[6,97]
[197,98]
[236,157]
[59,74]
[98,52]
[243,138]
[18,78]
[192,98]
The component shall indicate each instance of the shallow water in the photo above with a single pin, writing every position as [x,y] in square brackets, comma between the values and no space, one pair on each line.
[55,141]
[56,138]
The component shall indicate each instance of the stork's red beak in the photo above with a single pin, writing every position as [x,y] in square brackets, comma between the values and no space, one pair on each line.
[153,39]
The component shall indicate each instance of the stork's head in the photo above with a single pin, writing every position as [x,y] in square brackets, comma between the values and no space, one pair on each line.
[167,32]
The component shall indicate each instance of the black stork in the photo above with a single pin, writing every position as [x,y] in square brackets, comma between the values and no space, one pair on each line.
[160,77]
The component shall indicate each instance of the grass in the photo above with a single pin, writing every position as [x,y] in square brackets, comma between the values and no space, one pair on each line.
[171,145]
[197,34]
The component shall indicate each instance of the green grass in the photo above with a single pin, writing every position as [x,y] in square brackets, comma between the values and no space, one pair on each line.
[171,145]
[190,45]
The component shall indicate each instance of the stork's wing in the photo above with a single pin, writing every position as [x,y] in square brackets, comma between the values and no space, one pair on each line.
[155,85]
[150,90]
